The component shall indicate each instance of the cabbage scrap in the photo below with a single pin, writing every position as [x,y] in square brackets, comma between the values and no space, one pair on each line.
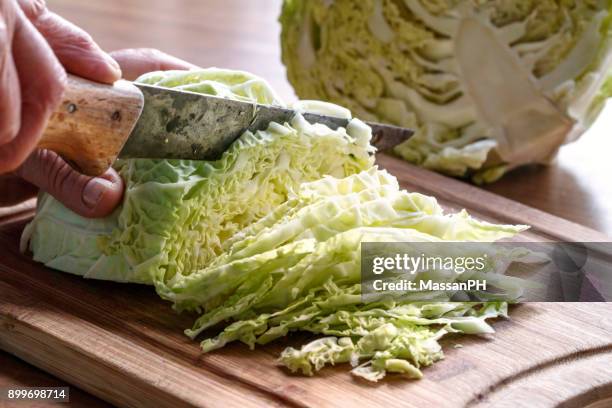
[266,240]
[488,84]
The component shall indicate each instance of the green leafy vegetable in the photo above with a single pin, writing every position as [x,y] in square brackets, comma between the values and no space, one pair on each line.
[299,269]
[266,240]
[176,215]
[489,85]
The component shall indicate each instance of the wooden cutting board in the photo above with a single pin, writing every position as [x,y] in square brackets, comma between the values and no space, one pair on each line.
[125,345]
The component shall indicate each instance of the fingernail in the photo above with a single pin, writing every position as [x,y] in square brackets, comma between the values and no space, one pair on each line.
[93,191]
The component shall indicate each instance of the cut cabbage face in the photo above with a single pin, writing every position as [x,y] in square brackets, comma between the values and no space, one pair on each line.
[177,214]
[488,84]
[266,240]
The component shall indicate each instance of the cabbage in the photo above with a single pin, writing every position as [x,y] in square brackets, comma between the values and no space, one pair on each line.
[176,214]
[487,84]
[299,268]
[266,240]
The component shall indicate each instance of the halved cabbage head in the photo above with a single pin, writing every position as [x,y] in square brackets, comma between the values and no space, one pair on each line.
[177,214]
[488,84]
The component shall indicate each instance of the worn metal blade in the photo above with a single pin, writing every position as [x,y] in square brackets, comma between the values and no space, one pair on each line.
[185,125]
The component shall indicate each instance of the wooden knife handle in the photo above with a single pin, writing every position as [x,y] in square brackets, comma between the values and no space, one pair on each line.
[92,123]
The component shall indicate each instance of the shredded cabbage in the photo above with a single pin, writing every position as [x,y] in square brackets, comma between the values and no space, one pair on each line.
[266,240]
[487,84]
[299,269]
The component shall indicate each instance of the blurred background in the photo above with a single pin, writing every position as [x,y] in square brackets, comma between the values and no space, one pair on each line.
[241,34]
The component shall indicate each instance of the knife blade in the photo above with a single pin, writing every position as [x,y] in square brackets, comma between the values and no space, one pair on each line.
[186,125]
[97,123]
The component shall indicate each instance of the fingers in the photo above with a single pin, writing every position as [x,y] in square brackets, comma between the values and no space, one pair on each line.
[10,96]
[42,81]
[88,196]
[74,48]
[137,61]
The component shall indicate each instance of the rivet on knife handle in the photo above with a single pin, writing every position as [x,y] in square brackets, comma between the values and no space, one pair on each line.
[92,123]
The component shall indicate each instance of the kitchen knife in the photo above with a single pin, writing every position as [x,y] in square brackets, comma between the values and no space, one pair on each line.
[97,123]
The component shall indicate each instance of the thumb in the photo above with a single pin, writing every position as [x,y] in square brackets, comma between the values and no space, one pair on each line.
[92,197]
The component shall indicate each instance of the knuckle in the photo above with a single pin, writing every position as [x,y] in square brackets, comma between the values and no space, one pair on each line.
[33,9]
[84,40]
[39,7]
[65,36]
[52,169]
[72,36]
[152,53]
[36,162]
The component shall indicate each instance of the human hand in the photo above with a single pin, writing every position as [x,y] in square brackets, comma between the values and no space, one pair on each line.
[37,47]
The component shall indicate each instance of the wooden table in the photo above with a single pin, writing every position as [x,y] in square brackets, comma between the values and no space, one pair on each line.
[243,34]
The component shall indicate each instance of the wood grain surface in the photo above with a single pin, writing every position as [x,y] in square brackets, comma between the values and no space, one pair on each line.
[243,34]
[16,373]
[123,344]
